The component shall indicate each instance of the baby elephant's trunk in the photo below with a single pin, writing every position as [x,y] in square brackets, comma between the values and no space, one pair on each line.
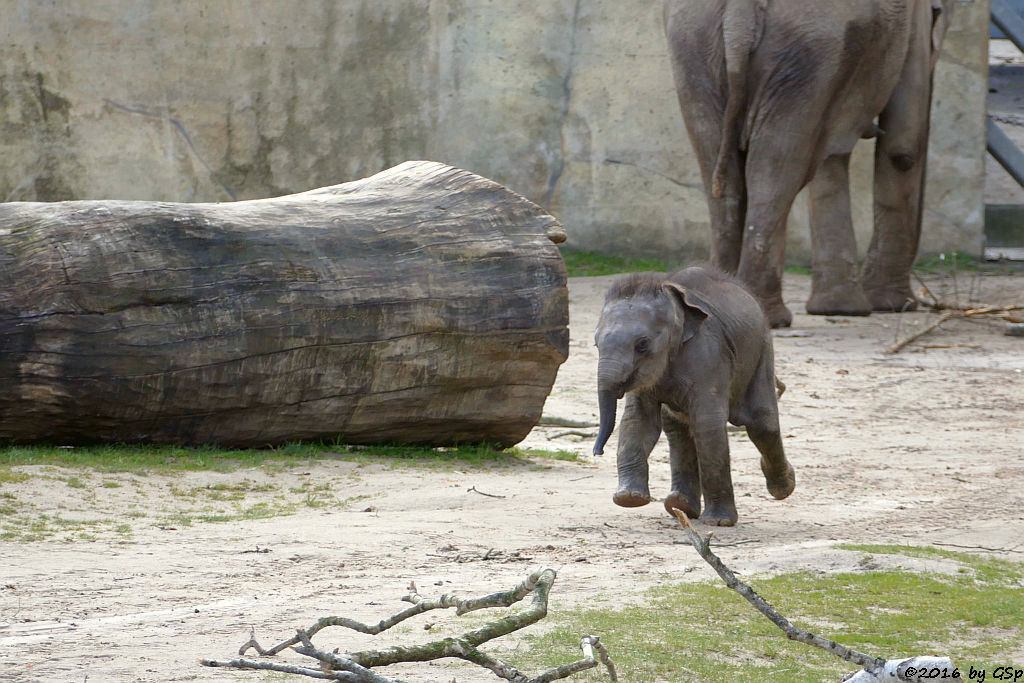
[606,402]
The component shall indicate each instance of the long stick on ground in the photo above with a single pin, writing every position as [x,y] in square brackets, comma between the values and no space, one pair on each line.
[703,547]
[875,669]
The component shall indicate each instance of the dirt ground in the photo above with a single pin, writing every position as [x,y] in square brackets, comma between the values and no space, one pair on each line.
[921,447]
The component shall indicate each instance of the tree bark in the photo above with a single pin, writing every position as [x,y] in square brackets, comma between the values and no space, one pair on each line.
[424,304]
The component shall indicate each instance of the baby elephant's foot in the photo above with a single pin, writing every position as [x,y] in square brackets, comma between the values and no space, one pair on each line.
[688,504]
[631,498]
[720,515]
[779,485]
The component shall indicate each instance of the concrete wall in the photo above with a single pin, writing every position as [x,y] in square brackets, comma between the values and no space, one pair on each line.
[569,102]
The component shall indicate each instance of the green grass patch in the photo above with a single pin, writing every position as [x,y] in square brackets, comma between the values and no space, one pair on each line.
[262,510]
[590,263]
[947,262]
[9,476]
[172,499]
[992,570]
[147,459]
[560,454]
[138,459]
[706,632]
[31,526]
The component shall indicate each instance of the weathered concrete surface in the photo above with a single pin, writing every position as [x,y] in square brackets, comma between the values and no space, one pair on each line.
[569,102]
[954,195]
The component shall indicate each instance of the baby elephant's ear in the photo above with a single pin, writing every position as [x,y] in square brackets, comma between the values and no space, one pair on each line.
[694,307]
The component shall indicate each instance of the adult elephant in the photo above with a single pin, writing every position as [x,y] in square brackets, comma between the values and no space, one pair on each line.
[775,94]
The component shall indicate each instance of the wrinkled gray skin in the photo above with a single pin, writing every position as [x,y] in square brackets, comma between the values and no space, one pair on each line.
[775,94]
[690,353]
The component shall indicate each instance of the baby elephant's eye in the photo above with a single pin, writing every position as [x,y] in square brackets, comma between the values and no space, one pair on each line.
[643,345]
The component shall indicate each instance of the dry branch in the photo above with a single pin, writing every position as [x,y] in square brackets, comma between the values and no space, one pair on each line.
[555,421]
[355,666]
[474,489]
[572,432]
[950,313]
[875,668]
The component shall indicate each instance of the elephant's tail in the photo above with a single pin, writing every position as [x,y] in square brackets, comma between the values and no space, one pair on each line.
[742,27]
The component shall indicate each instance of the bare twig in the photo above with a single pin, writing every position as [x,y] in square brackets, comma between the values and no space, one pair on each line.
[875,669]
[572,432]
[588,644]
[935,300]
[355,667]
[978,547]
[719,544]
[474,489]
[906,341]
[703,547]
[261,664]
[970,313]
[956,282]
[553,421]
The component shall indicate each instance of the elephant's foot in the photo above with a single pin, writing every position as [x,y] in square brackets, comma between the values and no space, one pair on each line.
[631,498]
[687,503]
[897,298]
[768,291]
[780,485]
[721,514]
[844,299]
[777,313]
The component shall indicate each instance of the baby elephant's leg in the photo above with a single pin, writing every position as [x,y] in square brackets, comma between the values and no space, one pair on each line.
[778,473]
[685,493]
[762,422]
[640,430]
[712,442]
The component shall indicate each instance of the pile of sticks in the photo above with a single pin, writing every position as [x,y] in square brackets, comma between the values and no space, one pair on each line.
[956,311]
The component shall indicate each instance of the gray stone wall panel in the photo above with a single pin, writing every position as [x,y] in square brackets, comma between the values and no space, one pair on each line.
[568,102]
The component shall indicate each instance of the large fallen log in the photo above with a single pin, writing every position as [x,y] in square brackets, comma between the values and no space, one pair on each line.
[422,305]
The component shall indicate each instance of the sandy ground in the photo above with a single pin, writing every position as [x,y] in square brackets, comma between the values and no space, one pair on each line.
[923,447]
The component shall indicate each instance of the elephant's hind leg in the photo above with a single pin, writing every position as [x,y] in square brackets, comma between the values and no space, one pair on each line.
[759,412]
[835,287]
[778,473]
[900,156]
[899,179]
[774,176]
[685,493]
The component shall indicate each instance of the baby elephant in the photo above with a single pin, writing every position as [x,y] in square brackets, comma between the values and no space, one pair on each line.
[690,351]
